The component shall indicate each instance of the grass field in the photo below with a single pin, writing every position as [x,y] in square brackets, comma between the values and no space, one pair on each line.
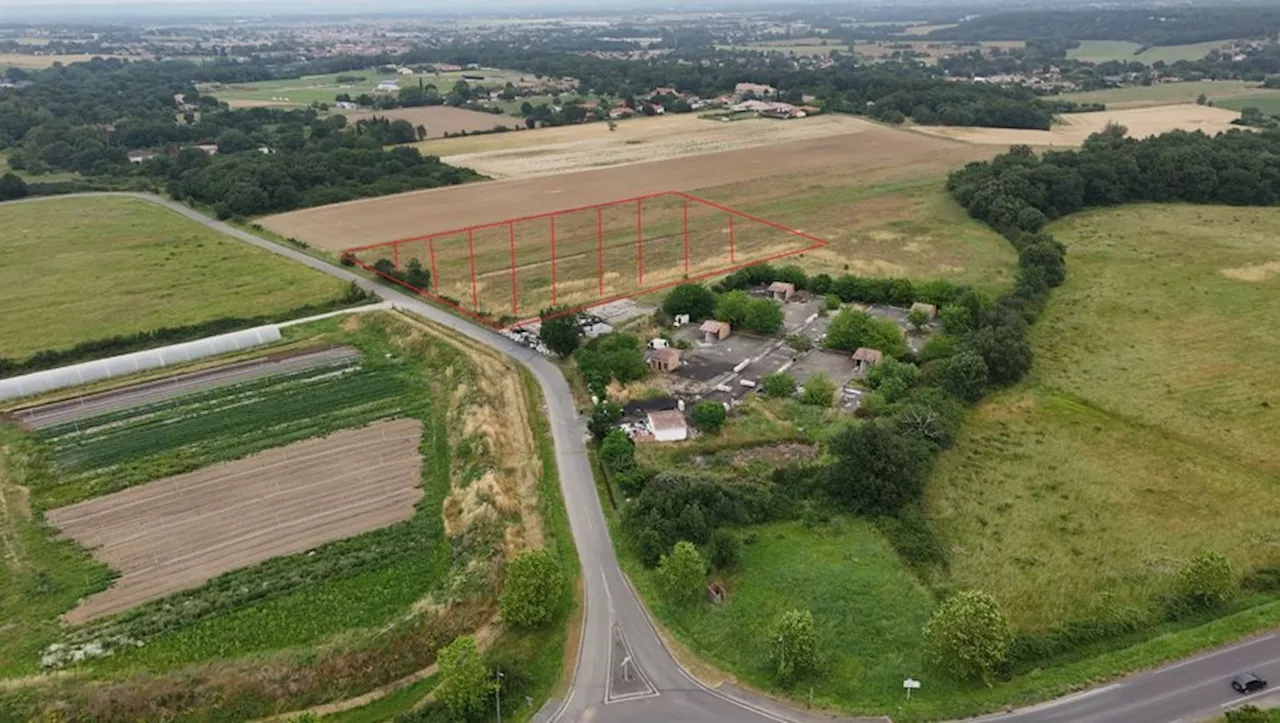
[37,62]
[1268,103]
[1150,415]
[1101,51]
[867,607]
[323,88]
[1075,128]
[1166,93]
[111,266]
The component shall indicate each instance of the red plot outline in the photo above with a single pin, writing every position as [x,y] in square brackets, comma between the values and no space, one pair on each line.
[688,199]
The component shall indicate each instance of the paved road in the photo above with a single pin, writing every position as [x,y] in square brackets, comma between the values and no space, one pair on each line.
[653,688]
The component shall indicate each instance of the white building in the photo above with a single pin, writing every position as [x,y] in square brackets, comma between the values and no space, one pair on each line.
[668,426]
[388,86]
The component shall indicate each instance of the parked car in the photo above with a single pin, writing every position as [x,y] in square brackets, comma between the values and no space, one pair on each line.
[1247,683]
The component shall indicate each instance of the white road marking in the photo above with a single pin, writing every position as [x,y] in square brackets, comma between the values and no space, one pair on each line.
[1245,698]
[1200,658]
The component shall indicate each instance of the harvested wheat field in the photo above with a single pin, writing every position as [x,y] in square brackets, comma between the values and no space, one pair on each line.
[442,118]
[583,147]
[1076,127]
[173,534]
[878,152]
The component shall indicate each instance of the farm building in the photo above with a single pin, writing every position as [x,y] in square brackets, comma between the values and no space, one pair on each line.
[664,360]
[929,310]
[387,86]
[756,88]
[668,426]
[865,358]
[715,330]
[782,291]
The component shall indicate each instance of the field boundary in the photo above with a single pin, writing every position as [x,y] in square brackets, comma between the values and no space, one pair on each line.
[733,263]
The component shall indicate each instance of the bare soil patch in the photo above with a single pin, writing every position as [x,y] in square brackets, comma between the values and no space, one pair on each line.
[1255,273]
[176,533]
[884,153]
[1076,127]
[441,119]
[578,148]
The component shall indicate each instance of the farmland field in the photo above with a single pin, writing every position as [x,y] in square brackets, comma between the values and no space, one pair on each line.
[1268,103]
[1101,51]
[37,62]
[175,533]
[323,88]
[1076,127]
[373,608]
[1163,94]
[441,119]
[1150,413]
[116,266]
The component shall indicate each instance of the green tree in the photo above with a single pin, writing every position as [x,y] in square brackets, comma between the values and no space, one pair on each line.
[464,680]
[724,549]
[893,379]
[683,574]
[416,276]
[819,391]
[618,451]
[732,307]
[956,319]
[963,376]
[604,418]
[832,302]
[917,319]
[12,187]
[967,636]
[709,417]
[778,385]
[1207,581]
[763,315]
[793,645]
[851,329]
[876,470]
[561,334]
[533,588]
[695,300]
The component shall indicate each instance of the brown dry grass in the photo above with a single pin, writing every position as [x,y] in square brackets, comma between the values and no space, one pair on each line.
[492,414]
[1255,272]
[176,533]
[584,147]
[441,119]
[1076,127]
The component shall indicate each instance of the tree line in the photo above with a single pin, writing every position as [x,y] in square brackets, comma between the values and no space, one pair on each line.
[1168,26]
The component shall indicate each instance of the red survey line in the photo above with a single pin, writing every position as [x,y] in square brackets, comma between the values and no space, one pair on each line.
[515,302]
[553,261]
[471,255]
[600,248]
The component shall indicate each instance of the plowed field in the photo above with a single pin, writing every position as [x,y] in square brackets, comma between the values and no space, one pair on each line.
[176,533]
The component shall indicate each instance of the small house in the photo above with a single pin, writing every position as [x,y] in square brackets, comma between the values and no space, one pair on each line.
[865,358]
[665,360]
[668,426]
[713,330]
[929,310]
[140,156]
[782,291]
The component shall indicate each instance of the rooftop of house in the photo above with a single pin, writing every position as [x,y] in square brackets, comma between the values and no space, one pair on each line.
[671,419]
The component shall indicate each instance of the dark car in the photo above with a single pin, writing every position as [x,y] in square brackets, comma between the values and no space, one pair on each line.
[1247,683]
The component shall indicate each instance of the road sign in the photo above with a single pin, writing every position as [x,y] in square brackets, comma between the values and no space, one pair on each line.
[910,684]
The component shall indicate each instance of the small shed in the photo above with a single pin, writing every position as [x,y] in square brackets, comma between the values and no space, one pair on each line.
[865,358]
[782,291]
[668,426]
[929,310]
[664,360]
[713,330]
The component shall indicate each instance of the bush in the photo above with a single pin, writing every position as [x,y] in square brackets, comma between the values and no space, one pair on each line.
[876,470]
[1208,581]
[725,550]
[778,385]
[799,342]
[611,357]
[819,391]
[683,574]
[709,417]
[617,451]
[533,589]
[675,506]
[695,300]
[967,636]
[464,680]
[964,376]
[793,645]
[893,379]
[604,418]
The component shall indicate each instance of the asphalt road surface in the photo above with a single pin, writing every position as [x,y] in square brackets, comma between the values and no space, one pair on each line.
[652,687]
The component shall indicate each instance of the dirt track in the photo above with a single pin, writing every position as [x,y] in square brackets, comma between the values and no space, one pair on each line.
[354,223]
[176,533]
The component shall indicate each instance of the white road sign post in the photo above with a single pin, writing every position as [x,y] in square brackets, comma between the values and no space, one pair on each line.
[910,684]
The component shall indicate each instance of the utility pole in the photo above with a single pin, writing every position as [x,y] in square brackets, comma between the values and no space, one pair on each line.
[497,691]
